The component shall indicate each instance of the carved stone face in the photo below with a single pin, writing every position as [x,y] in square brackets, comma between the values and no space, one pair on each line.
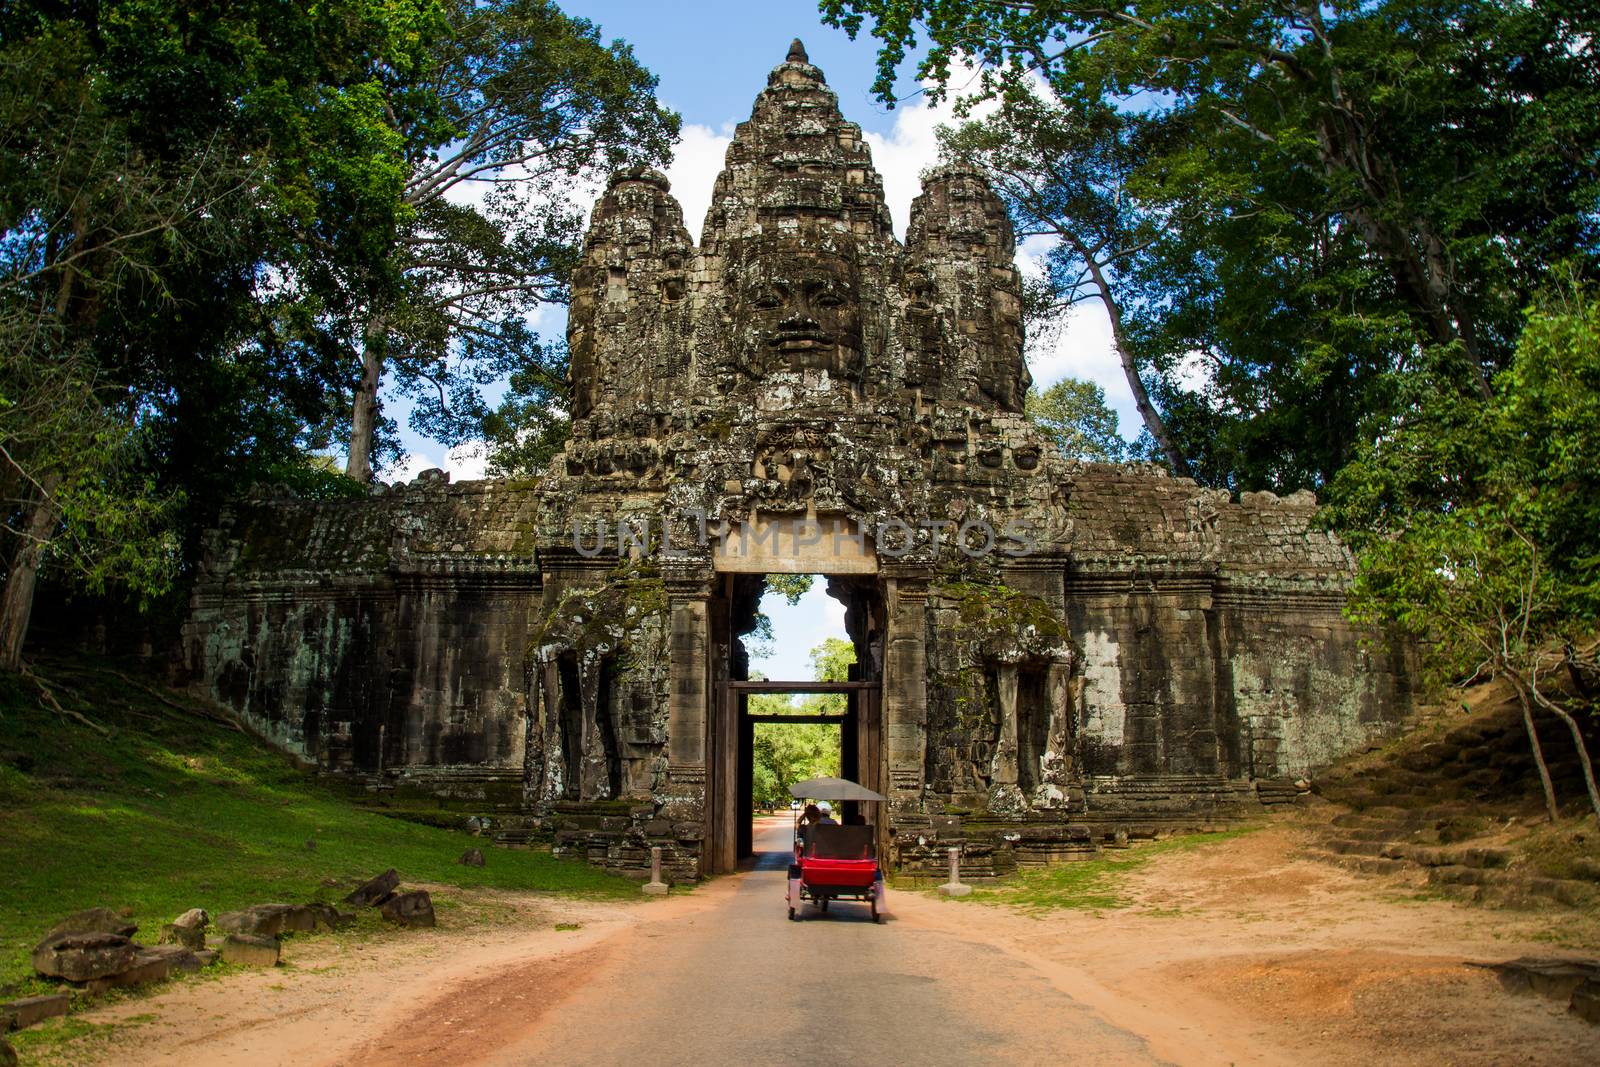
[799,311]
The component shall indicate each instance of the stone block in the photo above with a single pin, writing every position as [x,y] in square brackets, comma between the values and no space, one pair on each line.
[179,958]
[410,909]
[248,950]
[1585,1003]
[188,929]
[373,892]
[270,920]
[472,857]
[94,921]
[326,917]
[17,1014]
[149,966]
[82,957]
[1552,979]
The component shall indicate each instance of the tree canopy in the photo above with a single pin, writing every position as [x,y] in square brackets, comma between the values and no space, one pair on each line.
[1293,207]
[208,210]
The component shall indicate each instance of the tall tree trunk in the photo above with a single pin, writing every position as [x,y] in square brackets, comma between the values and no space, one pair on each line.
[1538,750]
[1417,257]
[364,416]
[1130,369]
[1577,740]
[16,604]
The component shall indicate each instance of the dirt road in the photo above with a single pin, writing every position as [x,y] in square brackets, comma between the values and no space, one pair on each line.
[738,984]
[1241,952]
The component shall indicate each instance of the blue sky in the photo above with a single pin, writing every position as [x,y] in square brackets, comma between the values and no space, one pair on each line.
[712,58]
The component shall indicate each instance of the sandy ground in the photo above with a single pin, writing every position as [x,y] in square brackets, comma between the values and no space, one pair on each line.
[1238,953]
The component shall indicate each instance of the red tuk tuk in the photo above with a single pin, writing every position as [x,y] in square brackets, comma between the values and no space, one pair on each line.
[834,862]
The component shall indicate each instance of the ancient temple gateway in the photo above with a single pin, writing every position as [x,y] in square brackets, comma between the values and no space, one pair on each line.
[1048,652]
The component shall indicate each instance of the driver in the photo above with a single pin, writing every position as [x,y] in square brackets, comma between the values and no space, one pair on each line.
[826,818]
[808,818]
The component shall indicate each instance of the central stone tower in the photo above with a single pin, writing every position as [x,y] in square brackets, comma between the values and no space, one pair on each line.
[1048,652]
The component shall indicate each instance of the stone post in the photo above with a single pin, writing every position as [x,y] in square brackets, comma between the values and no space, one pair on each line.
[686,729]
[905,689]
[655,886]
[954,888]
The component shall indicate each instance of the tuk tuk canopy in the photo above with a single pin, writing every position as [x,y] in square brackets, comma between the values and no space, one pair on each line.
[832,789]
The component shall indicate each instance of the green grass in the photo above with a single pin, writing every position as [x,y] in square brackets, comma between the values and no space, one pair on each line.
[51,1041]
[174,811]
[1090,885]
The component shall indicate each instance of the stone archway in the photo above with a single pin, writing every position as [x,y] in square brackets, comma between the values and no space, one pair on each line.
[728,734]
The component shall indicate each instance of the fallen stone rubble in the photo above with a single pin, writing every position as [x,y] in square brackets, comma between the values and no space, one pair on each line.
[93,951]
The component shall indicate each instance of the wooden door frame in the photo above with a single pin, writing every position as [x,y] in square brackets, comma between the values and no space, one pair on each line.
[721,849]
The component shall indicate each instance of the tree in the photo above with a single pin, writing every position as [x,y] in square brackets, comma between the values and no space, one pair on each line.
[1074,415]
[1458,139]
[70,491]
[529,427]
[179,184]
[526,105]
[1503,578]
[789,752]
[831,661]
[1347,193]
[791,586]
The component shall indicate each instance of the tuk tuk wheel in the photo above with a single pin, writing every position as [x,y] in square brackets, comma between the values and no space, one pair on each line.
[824,905]
[874,903]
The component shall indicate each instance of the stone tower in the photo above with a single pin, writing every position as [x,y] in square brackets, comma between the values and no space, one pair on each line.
[1048,651]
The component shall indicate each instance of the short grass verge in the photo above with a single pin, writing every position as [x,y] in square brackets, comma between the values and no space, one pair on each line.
[157,809]
[1091,885]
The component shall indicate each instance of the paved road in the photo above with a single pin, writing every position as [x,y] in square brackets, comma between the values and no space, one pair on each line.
[739,984]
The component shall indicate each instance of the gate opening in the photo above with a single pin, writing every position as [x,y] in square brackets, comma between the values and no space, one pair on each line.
[839,705]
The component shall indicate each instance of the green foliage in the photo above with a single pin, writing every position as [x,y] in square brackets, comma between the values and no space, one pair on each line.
[182,190]
[786,753]
[831,661]
[314,478]
[1295,206]
[527,107]
[108,523]
[175,810]
[791,586]
[1478,523]
[210,213]
[529,427]
[1074,415]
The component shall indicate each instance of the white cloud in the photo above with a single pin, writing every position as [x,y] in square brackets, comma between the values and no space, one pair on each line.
[1079,348]
[909,148]
[696,162]
[464,463]
[798,628]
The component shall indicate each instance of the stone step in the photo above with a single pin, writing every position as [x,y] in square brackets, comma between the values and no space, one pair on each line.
[1364,864]
[1513,890]
[20,1014]
[1368,833]
[1346,847]
[1388,820]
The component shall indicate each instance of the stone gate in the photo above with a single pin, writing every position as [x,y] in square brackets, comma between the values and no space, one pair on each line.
[1049,652]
